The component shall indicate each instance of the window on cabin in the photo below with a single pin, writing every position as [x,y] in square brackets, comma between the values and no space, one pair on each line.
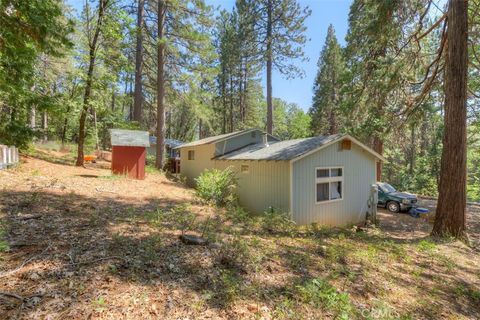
[191,154]
[245,168]
[329,184]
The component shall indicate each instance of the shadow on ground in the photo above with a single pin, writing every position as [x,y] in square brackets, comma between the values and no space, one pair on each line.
[77,256]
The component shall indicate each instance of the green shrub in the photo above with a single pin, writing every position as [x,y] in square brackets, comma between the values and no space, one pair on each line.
[239,215]
[320,293]
[217,187]
[275,221]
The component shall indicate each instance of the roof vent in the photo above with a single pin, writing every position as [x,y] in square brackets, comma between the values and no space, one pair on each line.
[265,140]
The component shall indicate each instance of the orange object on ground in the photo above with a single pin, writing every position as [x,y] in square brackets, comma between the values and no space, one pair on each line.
[89,158]
[129,161]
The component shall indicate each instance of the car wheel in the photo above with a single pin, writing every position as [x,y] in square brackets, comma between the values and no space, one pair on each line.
[393,206]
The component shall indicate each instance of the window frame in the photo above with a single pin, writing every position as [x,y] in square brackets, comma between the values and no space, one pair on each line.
[193,155]
[244,166]
[328,180]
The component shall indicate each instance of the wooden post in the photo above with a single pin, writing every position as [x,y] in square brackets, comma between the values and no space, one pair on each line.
[15,154]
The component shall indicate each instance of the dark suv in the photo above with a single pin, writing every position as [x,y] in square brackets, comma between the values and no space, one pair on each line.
[393,200]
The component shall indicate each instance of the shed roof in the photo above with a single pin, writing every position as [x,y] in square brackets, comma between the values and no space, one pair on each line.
[221,137]
[129,138]
[289,149]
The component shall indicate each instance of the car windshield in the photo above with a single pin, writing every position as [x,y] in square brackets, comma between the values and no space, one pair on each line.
[386,187]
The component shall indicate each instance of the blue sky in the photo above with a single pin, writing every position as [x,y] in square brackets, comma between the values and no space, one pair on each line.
[324,12]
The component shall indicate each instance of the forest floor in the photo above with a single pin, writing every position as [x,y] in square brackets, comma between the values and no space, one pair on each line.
[79,243]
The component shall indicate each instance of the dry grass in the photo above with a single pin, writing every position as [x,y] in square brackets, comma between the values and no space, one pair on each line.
[107,247]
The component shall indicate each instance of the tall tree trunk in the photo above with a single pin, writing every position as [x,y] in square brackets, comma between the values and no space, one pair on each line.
[125,95]
[378,148]
[269,68]
[64,129]
[224,99]
[138,96]
[412,150]
[159,161]
[33,113]
[45,126]
[245,91]
[113,99]
[332,116]
[231,103]
[95,127]
[130,95]
[450,213]
[89,81]
[67,115]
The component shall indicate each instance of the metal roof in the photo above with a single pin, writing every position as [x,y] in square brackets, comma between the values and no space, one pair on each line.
[282,150]
[130,138]
[219,138]
[169,142]
[214,138]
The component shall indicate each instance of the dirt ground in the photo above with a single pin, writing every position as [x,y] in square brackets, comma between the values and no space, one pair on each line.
[80,243]
[404,226]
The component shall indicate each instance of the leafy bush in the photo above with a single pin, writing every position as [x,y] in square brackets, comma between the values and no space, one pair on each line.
[217,186]
[16,134]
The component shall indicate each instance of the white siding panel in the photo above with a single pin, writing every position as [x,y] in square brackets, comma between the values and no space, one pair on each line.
[191,169]
[359,174]
[265,185]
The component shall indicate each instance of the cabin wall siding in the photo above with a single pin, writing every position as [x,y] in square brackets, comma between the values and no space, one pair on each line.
[191,169]
[359,169]
[267,184]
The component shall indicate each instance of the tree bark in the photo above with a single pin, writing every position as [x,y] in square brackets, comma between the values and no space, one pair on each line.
[159,161]
[89,81]
[450,217]
[95,127]
[45,126]
[113,99]
[411,168]
[32,117]
[269,68]
[378,148]
[138,95]
[231,103]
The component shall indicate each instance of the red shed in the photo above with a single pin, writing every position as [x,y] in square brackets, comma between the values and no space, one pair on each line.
[129,152]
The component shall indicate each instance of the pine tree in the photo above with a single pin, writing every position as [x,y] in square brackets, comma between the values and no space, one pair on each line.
[376,80]
[138,94]
[280,27]
[239,67]
[184,54]
[325,110]
[450,218]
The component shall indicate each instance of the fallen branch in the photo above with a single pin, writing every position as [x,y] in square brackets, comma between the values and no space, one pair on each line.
[29,217]
[97,260]
[100,190]
[19,297]
[9,273]
[12,295]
